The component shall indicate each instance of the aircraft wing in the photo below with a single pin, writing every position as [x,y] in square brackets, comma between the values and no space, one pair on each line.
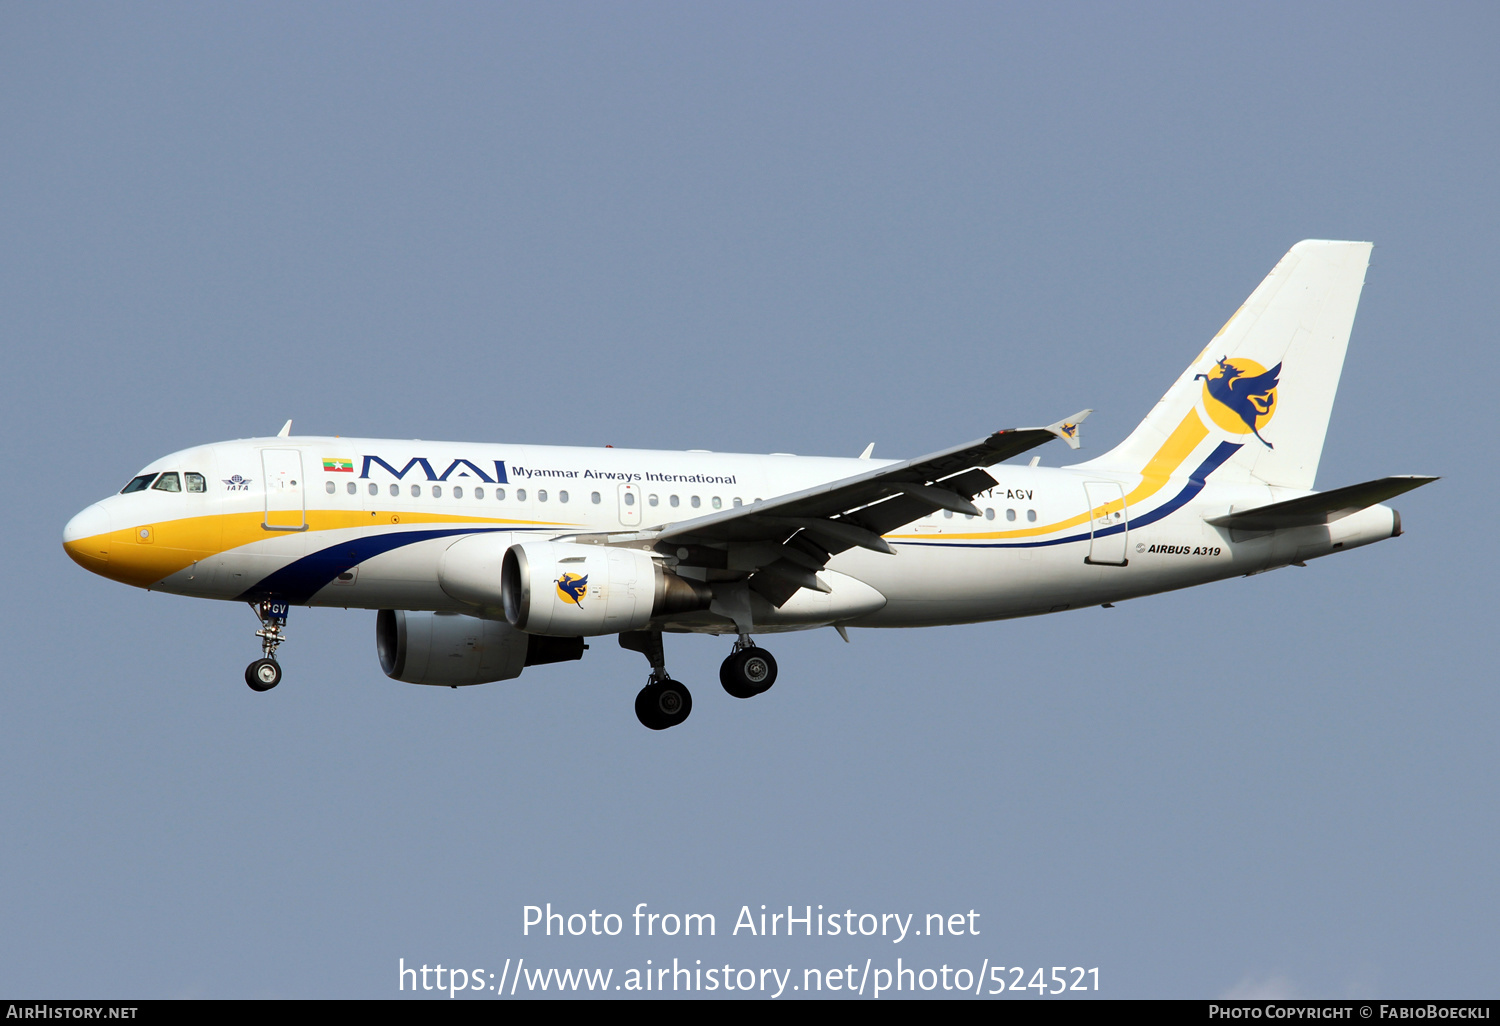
[782,541]
[1321,508]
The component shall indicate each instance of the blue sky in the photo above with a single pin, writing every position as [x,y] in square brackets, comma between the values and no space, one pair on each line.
[744,228]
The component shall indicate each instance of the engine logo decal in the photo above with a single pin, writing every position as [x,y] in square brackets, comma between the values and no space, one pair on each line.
[572,588]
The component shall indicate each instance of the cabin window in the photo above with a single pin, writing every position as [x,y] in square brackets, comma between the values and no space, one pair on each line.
[989,514]
[195,482]
[168,482]
[1031,515]
[718,502]
[478,492]
[351,488]
[416,491]
[562,496]
[458,491]
[437,491]
[541,495]
[652,500]
[696,502]
[947,514]
[374,488]
[520,495]
[673,501]
[395,489]
[1010,514]
[630,498]
[594,498]
[738,501]
[138,484]
[329,487]
[499,494]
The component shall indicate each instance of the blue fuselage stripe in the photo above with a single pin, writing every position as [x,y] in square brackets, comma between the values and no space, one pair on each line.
[300,580]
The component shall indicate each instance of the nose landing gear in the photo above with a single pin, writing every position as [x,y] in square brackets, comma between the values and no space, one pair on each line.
[749,671]
[663,702]
[265,673]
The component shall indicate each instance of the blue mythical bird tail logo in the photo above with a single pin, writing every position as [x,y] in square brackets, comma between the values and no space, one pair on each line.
[1240,395]
[572,588]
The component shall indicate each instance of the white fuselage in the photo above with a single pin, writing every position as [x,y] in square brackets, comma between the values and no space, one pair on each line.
[364,523]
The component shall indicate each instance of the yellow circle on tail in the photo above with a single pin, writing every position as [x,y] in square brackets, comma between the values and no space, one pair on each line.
[1228,419]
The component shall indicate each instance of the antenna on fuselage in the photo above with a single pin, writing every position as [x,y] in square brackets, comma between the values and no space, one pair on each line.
[286,430]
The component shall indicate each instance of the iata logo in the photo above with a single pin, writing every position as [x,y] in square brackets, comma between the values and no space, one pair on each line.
[1240,395]
[236,483]
[572,588]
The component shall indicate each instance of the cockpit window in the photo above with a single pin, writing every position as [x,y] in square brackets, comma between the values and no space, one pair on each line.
[168,482]
[138,484]
[194,482]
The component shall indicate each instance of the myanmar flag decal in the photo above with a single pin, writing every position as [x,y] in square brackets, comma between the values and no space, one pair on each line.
[339,466]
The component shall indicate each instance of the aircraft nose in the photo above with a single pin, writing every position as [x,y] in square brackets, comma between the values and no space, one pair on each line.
[86,537]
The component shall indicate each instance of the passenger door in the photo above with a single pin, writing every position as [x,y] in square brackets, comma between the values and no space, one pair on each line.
[1109,523]
[286,508]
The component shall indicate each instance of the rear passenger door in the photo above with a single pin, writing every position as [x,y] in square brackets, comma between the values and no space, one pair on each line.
[1109,524]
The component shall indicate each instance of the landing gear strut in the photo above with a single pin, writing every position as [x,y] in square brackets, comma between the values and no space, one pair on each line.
[748,671]
[663,702]
[265,673]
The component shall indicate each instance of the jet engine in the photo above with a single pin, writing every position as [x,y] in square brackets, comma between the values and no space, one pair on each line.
[565,588]
[452,650]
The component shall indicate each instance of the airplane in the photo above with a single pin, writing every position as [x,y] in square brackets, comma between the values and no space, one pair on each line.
[483,559]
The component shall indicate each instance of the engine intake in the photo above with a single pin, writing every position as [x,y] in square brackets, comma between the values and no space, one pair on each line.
[454,650]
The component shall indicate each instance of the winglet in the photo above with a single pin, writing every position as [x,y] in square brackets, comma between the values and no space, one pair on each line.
[1067,429]
[286,430]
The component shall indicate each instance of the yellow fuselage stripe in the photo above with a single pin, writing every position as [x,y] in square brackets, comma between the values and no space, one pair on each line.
[147,553]
[1158,471]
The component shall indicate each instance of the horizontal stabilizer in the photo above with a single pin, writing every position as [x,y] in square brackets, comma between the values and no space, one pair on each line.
[1321,508]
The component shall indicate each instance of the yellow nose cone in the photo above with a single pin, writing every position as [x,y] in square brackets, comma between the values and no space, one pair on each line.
[86,539]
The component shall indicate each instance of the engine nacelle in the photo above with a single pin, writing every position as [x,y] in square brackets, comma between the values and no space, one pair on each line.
[454,650]
[564,588]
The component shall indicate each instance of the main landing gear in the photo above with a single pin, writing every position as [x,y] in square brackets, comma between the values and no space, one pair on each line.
[663,702]
[748,671]
[265,673]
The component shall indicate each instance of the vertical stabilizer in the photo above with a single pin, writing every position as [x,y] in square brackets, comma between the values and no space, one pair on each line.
[1260,394]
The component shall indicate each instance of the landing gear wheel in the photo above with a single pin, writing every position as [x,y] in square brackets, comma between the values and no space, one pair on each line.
[662,704]
[263,674]
[748,672]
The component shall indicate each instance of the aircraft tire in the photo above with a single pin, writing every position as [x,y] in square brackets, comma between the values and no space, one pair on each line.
[663,704]
[263,674]
[748,672]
